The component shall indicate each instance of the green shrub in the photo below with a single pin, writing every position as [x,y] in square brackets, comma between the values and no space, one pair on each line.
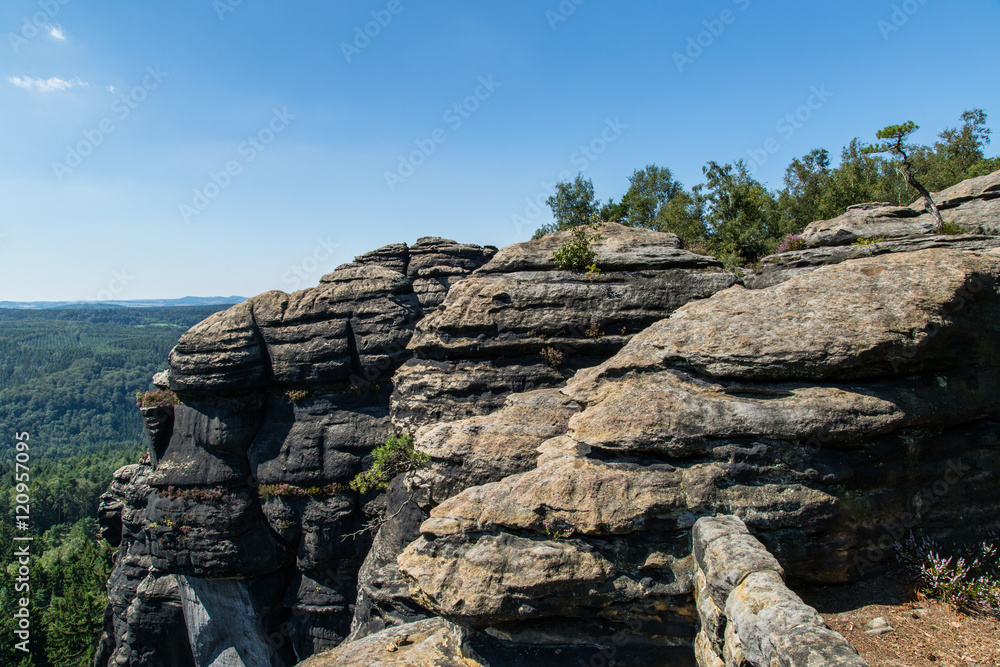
[395,457]
[951,229]
[866,242]
[575,254]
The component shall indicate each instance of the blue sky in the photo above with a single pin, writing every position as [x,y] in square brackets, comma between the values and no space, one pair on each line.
[204,147]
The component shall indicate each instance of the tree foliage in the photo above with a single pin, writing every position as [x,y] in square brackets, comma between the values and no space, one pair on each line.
[738,219]
[572,204]
[397,456]
[895,144]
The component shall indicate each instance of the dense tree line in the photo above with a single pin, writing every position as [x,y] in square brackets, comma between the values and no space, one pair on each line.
[739,220]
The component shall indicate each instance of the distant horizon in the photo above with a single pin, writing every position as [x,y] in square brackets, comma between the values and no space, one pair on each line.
[202,300]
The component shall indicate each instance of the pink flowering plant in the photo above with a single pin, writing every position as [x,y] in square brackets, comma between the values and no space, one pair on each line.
[790,243]
[968,578]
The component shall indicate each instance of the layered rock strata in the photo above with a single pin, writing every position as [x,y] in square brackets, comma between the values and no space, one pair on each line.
[835,410]
[485,341]
[246,503]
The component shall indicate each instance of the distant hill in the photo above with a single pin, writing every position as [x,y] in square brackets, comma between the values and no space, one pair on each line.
[137,303]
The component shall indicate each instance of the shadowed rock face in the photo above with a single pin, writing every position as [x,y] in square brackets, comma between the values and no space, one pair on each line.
[283,398]
[144,617]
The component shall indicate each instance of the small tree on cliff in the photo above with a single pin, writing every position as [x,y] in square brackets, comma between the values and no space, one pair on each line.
[895,143]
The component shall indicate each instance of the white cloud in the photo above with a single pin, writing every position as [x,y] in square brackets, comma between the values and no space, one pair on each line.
[111,89]
[47,85]
[57,32]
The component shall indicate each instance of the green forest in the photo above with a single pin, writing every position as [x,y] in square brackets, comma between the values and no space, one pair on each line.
[69,379]
[736,218]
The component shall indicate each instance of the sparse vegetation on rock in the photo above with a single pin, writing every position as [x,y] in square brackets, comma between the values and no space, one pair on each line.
[396,457]
[577,253]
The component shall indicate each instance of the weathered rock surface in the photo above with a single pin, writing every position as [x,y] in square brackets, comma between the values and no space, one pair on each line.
[854,398]
[144,615]
[776,269]
[745,609]
[283,398]
[464,453]
[354,324]
[868,318]
[485,341]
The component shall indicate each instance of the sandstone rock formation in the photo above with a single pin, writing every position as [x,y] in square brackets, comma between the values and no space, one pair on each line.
[144,616]
[833,401]
[283,398]
[484,343]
